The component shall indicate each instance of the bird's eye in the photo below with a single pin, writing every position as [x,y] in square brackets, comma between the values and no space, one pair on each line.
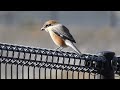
[48,25]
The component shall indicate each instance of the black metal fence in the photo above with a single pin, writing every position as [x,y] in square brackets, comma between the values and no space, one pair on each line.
[20,62]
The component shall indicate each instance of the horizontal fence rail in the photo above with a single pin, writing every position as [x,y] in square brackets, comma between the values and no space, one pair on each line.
[22,62]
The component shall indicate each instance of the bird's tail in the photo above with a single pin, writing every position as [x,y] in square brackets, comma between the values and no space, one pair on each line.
[70,44]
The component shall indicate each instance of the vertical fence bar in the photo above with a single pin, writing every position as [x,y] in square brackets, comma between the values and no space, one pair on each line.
[5,70]
[28,71]
[46,68]
[45,73]
[108,71]
[51,68]
[89,75]
[73,70]
[18,56]
[24,54]
[34,72]
[62,74]
[29,66]
[68,70]
[17,71]
[40,67]
[22,71]
[56,69]
[0,62]
[67,74]
[0,69]
[78,74]
[34,67]
[51,73]
[72,74]
[56,73]
[1,53]
[11,71]
[39,72]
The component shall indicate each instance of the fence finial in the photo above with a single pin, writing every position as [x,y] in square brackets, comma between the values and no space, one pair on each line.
[108,71]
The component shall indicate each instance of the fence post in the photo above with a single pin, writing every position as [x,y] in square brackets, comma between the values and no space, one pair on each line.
[108,71]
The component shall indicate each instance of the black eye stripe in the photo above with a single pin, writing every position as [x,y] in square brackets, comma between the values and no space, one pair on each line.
[48,25]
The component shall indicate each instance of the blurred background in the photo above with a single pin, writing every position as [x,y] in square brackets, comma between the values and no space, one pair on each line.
[94,31]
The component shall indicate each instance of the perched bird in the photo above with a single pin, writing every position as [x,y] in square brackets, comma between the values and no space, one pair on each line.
[60,35]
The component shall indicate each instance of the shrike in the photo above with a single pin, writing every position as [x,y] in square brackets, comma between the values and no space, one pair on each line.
[60,35]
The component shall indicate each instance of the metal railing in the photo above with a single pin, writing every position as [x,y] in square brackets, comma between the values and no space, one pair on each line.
[22,62]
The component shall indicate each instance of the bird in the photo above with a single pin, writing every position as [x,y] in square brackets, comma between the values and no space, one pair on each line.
[60,35]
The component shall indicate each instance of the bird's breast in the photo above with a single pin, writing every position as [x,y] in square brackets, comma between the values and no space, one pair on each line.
[57,39]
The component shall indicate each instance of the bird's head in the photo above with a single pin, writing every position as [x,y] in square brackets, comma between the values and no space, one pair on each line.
[48,24]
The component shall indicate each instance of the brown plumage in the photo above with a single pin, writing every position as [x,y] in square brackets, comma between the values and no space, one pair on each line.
[57,40]
[60,34]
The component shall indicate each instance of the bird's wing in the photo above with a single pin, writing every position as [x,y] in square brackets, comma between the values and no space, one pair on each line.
[63,32]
